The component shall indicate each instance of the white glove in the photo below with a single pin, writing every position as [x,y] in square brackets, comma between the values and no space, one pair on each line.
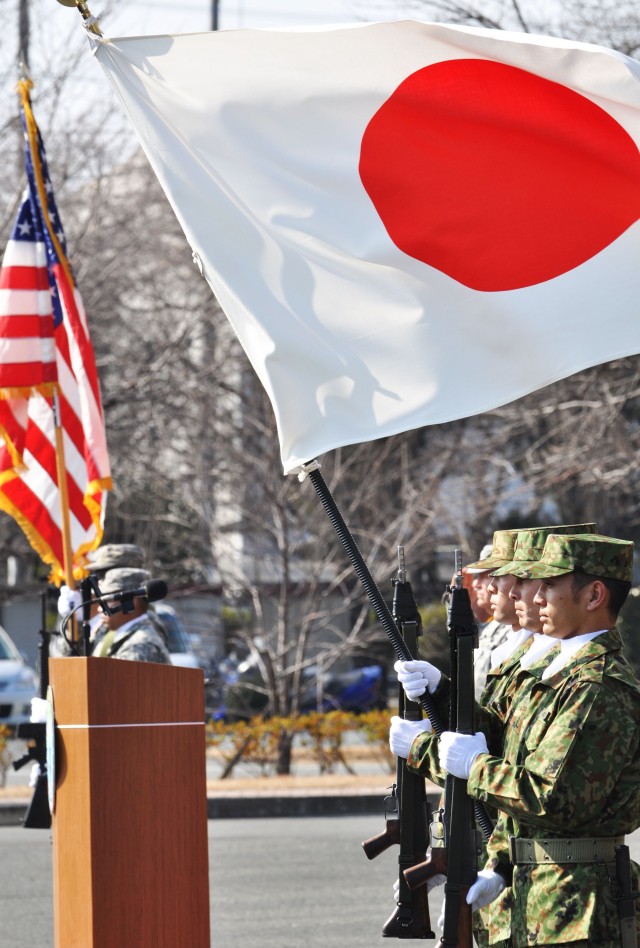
[38,711]
[435,881]
[67,600]
[402,734]
[458,751]
[485,889]
[432,883]
[35,773]
[415,677]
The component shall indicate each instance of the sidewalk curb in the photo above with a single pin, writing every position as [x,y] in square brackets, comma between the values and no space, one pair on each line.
[12,812]
[241,806]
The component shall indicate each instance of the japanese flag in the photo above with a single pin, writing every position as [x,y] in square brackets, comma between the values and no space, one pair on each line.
[405,223]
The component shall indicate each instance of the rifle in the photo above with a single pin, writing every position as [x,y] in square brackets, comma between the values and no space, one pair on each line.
[406,807]
[312,471]
[458,831]
[459,827]
[38,815]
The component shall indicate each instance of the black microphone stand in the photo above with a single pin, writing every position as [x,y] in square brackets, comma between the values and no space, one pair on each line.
[88,586]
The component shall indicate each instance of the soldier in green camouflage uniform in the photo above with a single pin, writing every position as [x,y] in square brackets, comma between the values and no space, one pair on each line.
[502,680]
[133,636]
[502,553]
[511,551]
[568,778]
[495,922]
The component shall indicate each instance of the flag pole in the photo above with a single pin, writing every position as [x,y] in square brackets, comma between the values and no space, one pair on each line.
[64,503]
[24,87]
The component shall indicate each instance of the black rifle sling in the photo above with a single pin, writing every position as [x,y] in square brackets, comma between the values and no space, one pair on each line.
[413,817]
[461,845]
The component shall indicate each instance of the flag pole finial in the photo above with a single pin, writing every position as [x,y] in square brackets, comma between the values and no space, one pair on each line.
[90,21]
[23,72]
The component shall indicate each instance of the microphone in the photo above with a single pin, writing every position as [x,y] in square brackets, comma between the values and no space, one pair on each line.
[152,591]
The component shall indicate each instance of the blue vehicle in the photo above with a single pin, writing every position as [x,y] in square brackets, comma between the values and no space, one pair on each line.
[241,694]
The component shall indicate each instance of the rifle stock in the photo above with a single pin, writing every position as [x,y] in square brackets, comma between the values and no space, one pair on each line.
[410,921]
[464,932]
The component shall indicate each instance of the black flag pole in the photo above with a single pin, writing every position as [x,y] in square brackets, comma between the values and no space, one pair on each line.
[312,471]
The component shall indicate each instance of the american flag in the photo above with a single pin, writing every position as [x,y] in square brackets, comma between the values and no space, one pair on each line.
[47,363]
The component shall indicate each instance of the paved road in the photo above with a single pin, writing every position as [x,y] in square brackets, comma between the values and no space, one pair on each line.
[277,883]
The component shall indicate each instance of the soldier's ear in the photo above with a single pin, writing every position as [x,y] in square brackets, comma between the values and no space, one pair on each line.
[598,595]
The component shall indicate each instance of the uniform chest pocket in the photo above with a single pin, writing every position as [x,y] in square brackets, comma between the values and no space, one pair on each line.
[533,733]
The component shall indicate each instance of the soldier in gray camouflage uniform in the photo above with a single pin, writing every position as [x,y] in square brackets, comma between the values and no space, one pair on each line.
[106,557]
[133,636]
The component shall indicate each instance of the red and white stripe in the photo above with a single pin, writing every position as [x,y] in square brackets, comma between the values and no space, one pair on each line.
[27,347]
[33,355]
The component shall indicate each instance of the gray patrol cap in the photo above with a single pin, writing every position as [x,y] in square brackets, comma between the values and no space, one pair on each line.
[116,555]
[123,580]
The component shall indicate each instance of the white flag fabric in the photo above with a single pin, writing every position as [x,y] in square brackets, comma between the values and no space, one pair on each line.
[405,223]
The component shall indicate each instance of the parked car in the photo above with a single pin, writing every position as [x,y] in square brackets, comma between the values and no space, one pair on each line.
[177,638]
[357,689]
[18,683]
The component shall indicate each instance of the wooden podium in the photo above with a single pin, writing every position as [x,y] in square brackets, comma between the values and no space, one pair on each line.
[130,855]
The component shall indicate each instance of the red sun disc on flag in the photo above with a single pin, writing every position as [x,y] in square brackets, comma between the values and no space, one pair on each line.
[498,177]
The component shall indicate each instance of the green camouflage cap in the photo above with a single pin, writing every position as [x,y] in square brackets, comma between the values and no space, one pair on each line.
[484,552]
[604,557]
[502,548]
[530,544]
